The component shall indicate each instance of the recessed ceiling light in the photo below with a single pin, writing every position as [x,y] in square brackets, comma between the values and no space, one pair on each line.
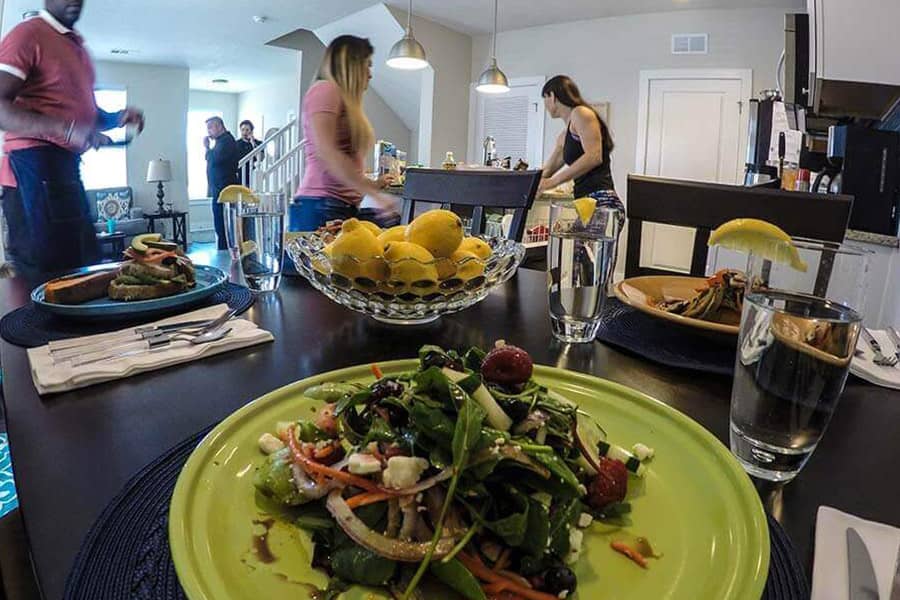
[260,19]
[220,81]
[29,14]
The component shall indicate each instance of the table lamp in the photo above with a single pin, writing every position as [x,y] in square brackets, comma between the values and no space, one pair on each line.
[158,172]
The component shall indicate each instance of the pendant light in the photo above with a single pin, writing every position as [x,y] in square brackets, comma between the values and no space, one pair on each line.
[408,54]
[493,80]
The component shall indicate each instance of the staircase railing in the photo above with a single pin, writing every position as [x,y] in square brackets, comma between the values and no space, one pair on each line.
[276,165]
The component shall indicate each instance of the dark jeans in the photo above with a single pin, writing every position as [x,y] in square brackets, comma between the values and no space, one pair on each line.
[218,219]
[308,213]
[49,220]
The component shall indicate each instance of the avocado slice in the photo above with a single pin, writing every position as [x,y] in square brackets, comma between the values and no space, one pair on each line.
[162,245]
[139,243]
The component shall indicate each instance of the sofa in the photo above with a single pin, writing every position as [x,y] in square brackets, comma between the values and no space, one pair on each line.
[116,204]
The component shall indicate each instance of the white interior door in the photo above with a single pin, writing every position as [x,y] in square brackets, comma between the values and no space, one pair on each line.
[691,127]
[515,119]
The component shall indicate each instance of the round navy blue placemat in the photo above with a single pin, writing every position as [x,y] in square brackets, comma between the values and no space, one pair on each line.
[126,553]
[30,326]
[665,342]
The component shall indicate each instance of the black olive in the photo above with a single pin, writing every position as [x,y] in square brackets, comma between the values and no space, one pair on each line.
[558,579]
[385,388]
[516,410]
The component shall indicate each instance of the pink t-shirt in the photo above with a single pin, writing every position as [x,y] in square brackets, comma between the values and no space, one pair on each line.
[57,76]
[325,96]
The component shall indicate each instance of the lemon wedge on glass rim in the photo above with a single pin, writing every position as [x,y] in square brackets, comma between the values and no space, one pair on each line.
[234,193]
[585,209]
[759,237]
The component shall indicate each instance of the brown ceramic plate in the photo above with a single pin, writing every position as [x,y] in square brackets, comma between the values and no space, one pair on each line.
[642,293]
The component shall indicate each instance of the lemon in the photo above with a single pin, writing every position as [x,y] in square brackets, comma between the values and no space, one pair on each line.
[237,193]
[446,268]
[410,263]
[394,234]
[585,208]
[356,253]
[438,231]
[469,265]
[375,229]
[476,246]
[759,237]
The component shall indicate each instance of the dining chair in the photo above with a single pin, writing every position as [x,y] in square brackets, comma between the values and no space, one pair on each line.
[705,206]
[475,191]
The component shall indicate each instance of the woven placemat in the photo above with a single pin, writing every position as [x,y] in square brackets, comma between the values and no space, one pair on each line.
[126,553]
[30,326]
[665,342]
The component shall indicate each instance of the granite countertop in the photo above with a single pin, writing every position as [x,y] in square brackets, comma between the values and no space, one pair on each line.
[890,241]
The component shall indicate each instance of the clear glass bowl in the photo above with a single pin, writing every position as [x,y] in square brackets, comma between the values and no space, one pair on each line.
[406,291]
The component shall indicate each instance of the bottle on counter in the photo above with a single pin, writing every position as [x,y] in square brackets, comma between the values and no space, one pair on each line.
[449,162]
[802,183]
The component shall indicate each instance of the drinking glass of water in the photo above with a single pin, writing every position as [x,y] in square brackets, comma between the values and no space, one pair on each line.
[260,235]
[581,257]
[798,334]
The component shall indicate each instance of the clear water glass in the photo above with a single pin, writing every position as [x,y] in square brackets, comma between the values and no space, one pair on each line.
[230,214]
[259,228]
[581,257]
[797,338]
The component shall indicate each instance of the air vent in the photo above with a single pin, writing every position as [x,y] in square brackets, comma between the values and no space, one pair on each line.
[123,51]
[690,43]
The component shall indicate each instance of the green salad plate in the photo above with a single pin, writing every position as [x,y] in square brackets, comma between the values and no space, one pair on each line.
[695,505]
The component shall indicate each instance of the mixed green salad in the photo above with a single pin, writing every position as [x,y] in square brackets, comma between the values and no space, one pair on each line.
[465,471]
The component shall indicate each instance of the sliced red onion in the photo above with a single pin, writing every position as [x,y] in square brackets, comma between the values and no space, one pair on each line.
[384,546]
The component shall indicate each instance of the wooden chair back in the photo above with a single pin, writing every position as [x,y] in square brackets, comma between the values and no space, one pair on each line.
[477,190]
[705,206]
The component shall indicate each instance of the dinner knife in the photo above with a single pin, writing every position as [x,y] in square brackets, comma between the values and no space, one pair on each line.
[136,334]
[895,584]
[863,585]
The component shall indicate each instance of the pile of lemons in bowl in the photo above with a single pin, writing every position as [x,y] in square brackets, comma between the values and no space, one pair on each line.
[429,256]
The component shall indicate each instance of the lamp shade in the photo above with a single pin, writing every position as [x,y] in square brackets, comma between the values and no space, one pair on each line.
[159,170]
[493,80]
[407,54]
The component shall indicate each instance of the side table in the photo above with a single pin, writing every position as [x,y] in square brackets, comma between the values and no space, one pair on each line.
[116,241]
[179,225]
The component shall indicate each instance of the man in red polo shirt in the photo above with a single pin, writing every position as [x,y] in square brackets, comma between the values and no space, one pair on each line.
[50,116]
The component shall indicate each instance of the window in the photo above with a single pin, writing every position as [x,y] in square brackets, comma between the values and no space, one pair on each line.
[106,167]
[196,131]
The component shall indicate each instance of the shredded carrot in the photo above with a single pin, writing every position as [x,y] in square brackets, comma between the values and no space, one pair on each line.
[483,573]
[319,468]
[367,498]
[502,560]
[376,371]
[631,553]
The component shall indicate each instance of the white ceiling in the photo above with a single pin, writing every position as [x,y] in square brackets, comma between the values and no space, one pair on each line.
[217,38]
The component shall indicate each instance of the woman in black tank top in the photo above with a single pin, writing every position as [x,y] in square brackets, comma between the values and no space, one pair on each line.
[583,150]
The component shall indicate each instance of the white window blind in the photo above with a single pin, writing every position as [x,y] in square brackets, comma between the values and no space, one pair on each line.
[107,167]
[506,119]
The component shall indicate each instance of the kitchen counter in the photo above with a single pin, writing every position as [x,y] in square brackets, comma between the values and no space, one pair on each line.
[889,241]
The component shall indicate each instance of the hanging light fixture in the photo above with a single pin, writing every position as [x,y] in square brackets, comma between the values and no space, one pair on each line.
[408,54]
[493,80]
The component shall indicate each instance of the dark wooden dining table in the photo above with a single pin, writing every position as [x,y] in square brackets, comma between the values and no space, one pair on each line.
[73,452]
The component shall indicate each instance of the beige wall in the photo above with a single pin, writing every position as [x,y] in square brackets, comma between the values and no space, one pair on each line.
[386,123]
[215,101]
[268,105]
[162,92]
[605,57]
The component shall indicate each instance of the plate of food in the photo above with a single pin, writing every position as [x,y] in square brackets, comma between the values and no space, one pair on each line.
[713,303]
[155,276]
[465,475]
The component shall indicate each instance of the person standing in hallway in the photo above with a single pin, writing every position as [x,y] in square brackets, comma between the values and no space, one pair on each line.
[247,143]
[221,170]
[338,136]
[50,116]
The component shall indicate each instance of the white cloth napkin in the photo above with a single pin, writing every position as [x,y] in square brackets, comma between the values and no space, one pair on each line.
[864,368]
[830,577]
[52,378]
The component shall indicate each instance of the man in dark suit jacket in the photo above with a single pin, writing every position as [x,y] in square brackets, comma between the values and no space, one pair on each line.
[221,170]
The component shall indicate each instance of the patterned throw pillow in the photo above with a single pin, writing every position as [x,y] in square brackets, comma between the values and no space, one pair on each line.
[8,499]
[113,205]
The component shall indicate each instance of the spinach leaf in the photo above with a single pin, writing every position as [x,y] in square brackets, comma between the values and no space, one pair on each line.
[308,432]
[379,431]
[557,467]
[314,517]
[360,565]
[467,432]
[360,397]
[431,385]
[474,358]
[331,391]
[432,423]
[564,516]
[538,529]
[512,527]
[471,383]
[456,576]
[336,587]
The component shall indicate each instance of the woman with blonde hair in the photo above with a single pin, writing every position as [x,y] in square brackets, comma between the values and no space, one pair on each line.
[338,136]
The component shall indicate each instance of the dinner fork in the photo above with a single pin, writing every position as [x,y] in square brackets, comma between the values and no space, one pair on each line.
[880,359]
